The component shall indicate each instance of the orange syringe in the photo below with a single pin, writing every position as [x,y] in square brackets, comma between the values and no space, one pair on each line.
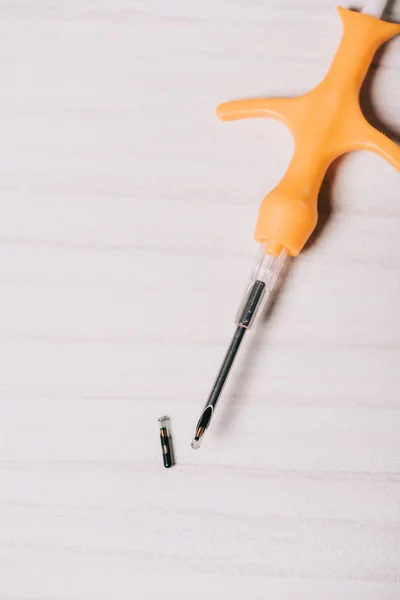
[325,123]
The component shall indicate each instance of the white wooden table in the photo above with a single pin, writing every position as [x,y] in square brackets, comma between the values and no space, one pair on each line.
[126,218]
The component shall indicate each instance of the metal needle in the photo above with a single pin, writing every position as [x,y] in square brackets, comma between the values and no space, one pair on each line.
[253,300]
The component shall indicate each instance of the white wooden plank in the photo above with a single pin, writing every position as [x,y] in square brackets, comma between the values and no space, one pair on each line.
[126,219]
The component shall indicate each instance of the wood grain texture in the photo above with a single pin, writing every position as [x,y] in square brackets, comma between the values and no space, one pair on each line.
[126,221]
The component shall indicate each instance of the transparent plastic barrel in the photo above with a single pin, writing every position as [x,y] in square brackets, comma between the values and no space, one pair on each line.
[266,270]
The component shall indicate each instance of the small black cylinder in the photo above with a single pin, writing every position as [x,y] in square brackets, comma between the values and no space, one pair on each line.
[166,443]
[253,300]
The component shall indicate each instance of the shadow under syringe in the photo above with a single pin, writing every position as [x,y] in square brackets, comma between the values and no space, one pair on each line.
[244,370]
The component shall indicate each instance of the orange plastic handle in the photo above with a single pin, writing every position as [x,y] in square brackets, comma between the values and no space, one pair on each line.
[325,123]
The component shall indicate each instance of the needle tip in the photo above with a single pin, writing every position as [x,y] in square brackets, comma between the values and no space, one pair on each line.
[202,426]
[196,443]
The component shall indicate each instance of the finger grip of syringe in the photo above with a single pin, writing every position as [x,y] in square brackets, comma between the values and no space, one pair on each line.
[325,123]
